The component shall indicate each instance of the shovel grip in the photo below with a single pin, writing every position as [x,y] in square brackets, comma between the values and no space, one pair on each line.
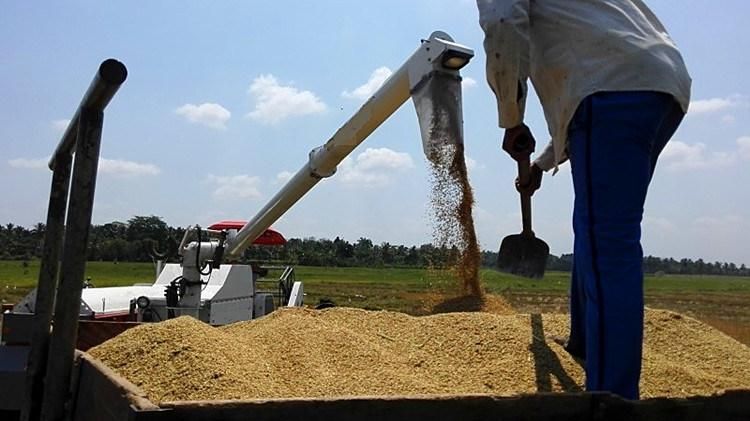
[524,174]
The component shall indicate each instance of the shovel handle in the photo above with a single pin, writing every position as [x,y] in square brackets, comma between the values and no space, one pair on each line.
[524,174]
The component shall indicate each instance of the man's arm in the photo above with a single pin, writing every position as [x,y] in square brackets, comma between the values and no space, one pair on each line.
[506,28]
[546,159]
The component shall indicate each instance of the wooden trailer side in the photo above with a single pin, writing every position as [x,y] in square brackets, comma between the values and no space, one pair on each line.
[100,394]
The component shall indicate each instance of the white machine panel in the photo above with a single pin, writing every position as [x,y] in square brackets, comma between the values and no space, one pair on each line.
[297,295]
[114,299]
[230,282]
[263,305]
[230,311]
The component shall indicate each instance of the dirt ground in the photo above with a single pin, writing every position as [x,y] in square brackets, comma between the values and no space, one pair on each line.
[729,313]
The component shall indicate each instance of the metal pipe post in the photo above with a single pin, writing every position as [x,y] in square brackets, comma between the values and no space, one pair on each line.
[68,302]
[107,80]
[45,291]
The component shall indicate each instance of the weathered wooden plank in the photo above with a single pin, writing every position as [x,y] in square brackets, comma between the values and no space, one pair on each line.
[102,395]
[733,405]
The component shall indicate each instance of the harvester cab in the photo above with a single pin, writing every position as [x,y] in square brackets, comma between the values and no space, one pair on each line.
[201,287]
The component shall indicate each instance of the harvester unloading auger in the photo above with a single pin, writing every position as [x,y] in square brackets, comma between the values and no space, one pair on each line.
[430,76]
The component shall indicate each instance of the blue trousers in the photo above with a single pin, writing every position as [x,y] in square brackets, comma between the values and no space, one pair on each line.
[614,141]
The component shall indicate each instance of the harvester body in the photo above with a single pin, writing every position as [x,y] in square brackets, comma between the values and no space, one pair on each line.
[229,295]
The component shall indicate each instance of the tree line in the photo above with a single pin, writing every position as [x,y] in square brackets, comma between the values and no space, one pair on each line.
[141,237]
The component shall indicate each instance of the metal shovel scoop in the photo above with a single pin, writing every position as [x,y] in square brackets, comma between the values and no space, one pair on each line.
[524,254]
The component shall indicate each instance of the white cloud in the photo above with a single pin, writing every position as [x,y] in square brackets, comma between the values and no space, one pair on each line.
[117,167]
[376,80]
[283,177]
[660,225]
[235,186]
[726,223]
[60,125]
[728,119]
[34,164]
[123,168]
[712,236]
[207,114]
[682,156]
[712,105]
[468,83]
[472,164]
[374,167]
[743,147]
[275,102]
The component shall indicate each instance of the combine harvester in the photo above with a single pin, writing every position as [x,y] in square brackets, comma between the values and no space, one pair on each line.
[223,293]
[60,382]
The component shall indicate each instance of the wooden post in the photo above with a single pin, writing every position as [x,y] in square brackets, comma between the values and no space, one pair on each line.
[68,301]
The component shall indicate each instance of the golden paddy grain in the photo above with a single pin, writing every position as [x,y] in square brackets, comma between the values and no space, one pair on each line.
[298,352]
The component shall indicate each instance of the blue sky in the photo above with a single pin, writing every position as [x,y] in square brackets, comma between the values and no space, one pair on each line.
[224,99]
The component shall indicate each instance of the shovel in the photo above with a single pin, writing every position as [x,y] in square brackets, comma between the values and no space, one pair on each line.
[524,254]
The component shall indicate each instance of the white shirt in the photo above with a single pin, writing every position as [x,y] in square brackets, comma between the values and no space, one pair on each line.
[571,49]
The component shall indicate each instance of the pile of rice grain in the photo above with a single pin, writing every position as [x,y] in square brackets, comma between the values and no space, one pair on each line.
[297,352]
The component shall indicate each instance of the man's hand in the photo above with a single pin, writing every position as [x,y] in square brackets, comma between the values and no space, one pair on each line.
[518,142]
[535,181]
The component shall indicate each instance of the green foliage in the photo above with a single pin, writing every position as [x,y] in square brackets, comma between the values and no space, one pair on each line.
[141,236]
[382,287]
[14,273]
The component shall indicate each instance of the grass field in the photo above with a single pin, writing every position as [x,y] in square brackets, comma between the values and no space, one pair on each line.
[723,302]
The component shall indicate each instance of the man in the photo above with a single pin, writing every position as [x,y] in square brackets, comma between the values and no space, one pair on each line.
[614,89]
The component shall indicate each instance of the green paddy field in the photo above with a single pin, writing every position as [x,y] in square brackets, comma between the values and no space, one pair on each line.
[721,301]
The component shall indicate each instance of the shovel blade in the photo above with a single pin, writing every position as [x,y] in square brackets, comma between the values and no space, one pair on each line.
[523,255]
